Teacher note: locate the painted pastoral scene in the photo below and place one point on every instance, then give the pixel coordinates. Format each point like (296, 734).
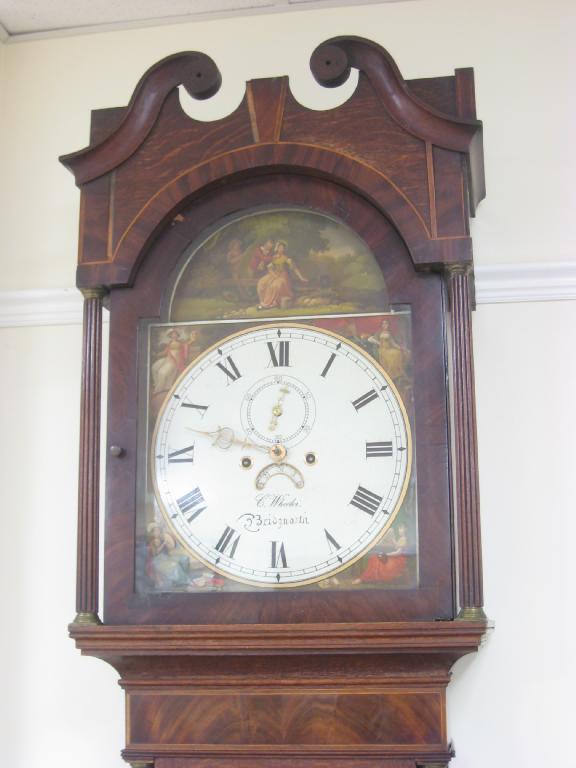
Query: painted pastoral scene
(280, 262)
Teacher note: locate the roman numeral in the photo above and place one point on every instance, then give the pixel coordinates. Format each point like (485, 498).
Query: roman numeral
(187, 454)
(366, 500)
(332, 543)
(328, 364)
(202, 408)
(366, 398)
(279, 353)
(225, 542)
(191, 502)
(278, 555)
(232, 373)
(378, 449)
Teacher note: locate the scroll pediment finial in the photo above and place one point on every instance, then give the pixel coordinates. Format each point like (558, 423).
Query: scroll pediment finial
(331, 63)
(196, 71)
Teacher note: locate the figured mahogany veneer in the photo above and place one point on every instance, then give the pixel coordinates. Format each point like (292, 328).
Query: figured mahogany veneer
(297, 694)
(301, 679)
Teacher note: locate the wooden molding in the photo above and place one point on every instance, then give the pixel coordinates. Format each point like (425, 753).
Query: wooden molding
(273, 756)
(389, 637)
(266, 761)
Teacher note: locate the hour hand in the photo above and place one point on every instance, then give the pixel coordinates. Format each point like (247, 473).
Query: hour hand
(224, 438)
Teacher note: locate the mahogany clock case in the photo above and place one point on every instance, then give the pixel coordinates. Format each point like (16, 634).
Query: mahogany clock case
(292, 677)
(433, 599)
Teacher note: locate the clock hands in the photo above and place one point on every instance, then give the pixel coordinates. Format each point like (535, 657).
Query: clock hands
(224, 438)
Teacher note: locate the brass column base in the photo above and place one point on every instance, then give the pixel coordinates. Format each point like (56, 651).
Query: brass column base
(87, 618)
(471, 614)
(432, 765)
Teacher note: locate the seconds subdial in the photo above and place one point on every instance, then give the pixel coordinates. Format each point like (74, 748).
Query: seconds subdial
(278, 409)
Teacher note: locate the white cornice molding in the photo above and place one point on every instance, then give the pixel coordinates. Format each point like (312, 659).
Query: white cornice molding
(56, 306)
(509, 283)
(272, 6)
(498, 284)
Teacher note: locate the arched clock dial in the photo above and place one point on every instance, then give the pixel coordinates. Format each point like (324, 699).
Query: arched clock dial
(281, 455)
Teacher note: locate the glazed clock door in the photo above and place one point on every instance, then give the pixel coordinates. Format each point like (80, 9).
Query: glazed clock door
(277, 368)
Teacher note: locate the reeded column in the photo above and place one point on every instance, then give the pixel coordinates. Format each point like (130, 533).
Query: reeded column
(89, 472)
(465, 449)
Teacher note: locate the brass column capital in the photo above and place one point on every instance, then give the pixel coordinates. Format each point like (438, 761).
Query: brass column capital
(452, 270)
(97, 292)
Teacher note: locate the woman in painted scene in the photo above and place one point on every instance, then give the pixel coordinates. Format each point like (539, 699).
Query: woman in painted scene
(275, 288)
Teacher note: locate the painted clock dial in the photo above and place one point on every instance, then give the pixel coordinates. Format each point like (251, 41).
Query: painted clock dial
(289, 418)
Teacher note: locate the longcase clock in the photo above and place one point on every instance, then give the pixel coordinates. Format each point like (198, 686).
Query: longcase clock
(292, 545)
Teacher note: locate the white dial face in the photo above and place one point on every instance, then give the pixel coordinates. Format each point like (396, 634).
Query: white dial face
(281, 455)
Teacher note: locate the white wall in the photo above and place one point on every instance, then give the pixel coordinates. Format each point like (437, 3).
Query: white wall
(2, 80)
(509, 706)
